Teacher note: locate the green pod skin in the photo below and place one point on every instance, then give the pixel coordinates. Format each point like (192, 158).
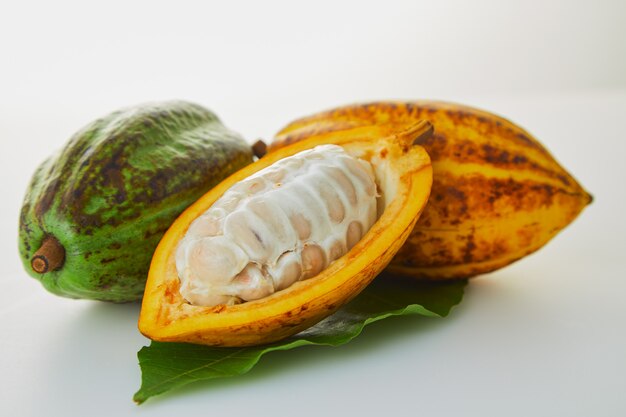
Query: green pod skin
(94, 213)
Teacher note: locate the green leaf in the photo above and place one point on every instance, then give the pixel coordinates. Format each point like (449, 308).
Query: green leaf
(165, 366)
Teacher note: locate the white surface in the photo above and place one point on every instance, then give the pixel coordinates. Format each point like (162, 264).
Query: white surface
(544, 337)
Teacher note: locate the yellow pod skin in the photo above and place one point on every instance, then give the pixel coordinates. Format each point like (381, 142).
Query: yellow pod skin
(497, 196)
(403, 176)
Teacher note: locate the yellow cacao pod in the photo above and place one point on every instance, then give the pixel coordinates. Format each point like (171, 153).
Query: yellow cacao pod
(497, 195)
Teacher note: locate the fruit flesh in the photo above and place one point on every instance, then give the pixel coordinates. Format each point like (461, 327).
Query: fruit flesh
(286, 223)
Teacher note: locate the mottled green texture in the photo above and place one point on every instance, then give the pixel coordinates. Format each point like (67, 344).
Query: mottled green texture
(166, 366)
(116, 187)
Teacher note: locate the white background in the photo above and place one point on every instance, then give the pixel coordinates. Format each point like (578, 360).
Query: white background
(544, 337)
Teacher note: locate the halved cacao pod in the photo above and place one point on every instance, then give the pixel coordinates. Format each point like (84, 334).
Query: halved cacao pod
(403, 177)
(497, 196)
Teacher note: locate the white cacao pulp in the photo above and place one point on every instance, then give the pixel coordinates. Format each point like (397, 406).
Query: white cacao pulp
(285, 223)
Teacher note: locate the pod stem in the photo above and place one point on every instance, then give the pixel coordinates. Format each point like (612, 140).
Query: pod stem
(417, 133)
(259, 149)
(49, 257)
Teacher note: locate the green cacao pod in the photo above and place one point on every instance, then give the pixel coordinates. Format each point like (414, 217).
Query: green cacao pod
(94, 213)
